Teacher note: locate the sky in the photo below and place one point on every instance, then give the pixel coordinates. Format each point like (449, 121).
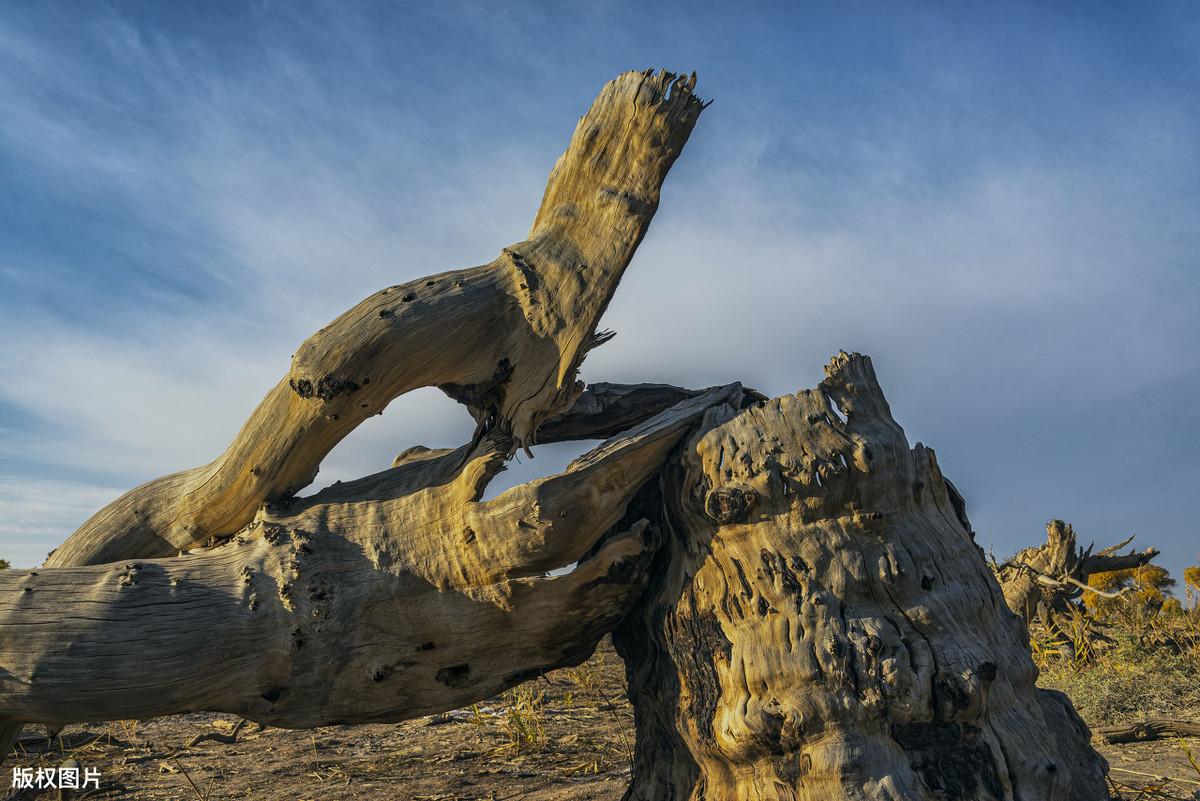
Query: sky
(996, 202)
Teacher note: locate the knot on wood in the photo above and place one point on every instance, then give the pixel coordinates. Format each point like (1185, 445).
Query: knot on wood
(130, 576)
(326, 388)
(730, 504)
(455, 675)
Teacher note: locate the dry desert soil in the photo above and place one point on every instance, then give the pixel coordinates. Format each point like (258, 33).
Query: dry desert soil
(565, 737)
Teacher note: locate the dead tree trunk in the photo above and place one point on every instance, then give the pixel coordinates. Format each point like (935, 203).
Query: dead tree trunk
(1041, 582)
(826, 627)
(805, 612)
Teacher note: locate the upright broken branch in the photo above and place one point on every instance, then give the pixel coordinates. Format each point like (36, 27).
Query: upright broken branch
(506, 338)
(1040, 582)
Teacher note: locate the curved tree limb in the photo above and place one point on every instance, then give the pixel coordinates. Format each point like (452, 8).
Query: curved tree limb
(506, 337)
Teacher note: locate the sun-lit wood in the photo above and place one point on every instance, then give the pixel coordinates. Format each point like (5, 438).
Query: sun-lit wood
(796, 591)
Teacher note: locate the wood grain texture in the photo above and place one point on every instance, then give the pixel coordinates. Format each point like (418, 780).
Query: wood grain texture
(506, 337)
(390, 597)
(827, 628)
(796, 591)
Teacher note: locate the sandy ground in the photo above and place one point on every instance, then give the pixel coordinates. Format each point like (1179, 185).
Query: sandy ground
(567, 737)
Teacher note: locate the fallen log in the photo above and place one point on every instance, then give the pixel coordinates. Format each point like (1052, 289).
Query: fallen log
(506, 339)
(1151, 729)
(390, 597)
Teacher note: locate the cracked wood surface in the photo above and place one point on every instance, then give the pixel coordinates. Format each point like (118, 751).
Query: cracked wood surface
(382, 599)
(505, 338)
(802, 608)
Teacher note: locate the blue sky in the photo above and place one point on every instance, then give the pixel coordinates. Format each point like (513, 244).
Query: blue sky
(998, 203)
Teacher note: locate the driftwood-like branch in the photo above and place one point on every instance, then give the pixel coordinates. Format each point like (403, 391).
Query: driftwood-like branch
(506, 338)
(1074, 582)
(1152, 729)
(381, 599)
(1110, 549)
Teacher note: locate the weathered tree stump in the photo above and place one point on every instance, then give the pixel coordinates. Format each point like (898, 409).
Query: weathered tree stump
(1041, 582)
(825, 627)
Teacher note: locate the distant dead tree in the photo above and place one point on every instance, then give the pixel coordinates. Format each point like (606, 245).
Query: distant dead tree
(796, 591)
(1043, 581)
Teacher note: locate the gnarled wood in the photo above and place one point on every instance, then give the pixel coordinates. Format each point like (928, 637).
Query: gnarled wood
(827, 628)
(1040, 582)
(381, 599)
(801, 605)
(506, 337)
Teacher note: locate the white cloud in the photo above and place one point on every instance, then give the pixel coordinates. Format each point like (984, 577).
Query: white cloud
(38, 514)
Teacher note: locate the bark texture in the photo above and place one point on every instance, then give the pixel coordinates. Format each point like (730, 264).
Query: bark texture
(826, 627)
(801, 605)
(506, 339)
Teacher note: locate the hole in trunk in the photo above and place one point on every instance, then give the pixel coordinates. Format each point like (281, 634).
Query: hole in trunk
(549, 459)
(422, 417)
